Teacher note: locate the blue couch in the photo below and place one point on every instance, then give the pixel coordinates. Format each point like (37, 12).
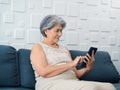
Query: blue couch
(16, 72)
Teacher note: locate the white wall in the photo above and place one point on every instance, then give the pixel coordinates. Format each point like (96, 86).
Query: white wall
(89, 23)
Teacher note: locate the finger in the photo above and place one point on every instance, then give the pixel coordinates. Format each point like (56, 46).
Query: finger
(88, 56)
(93, 60)
(83, 57)
(80, 59)
(86, 59)
(92, 53)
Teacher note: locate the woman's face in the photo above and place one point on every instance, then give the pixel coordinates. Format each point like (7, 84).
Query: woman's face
(54, 33)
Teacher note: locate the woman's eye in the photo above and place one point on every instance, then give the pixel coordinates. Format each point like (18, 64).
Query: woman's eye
(59, 31)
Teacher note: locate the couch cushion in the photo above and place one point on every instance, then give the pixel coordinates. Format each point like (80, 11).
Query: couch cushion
(27, 76)
(117, 85)
(8, 66)
(103, 70)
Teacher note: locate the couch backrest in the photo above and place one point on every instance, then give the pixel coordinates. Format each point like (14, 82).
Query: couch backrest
(9, 72)
(103, 70)
(27, 77)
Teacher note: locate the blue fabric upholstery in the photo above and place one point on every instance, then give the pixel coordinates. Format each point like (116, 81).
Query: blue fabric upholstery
(9, 75)
(26, 72)
(16, 72)
(117, 85)
(103, 70)
(14, 88)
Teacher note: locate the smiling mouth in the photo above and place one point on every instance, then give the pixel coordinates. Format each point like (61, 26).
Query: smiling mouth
(57, 38)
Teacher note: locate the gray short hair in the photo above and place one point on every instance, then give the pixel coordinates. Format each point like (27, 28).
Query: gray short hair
(49, 22)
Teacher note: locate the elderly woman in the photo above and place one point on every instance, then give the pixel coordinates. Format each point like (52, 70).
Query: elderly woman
(53, 65)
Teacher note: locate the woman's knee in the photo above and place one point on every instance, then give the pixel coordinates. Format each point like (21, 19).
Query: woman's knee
(103, 86)
(106, 86)
(109, 86)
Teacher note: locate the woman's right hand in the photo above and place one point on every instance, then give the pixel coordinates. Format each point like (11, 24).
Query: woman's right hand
(77, 60)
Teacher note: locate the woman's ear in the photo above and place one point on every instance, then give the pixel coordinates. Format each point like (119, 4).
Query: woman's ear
(45, 31)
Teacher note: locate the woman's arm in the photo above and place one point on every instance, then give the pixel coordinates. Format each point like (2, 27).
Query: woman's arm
(89, 65)
(38, 60)
(81, 72)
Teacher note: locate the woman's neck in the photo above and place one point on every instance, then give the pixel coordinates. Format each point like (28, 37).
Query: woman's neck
(50, 43)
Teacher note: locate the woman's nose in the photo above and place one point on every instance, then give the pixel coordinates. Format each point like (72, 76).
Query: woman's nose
(60, 33)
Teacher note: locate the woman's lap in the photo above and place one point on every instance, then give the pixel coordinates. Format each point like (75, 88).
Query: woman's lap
(76, 85)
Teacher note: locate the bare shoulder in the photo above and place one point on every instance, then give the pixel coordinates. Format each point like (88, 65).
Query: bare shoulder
(37, 47)
(37, 50)
(66, 48)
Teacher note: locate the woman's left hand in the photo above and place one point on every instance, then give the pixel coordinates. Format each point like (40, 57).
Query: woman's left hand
(90, 61)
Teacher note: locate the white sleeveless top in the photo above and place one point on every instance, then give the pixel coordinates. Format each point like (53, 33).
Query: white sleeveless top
(56, 56)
